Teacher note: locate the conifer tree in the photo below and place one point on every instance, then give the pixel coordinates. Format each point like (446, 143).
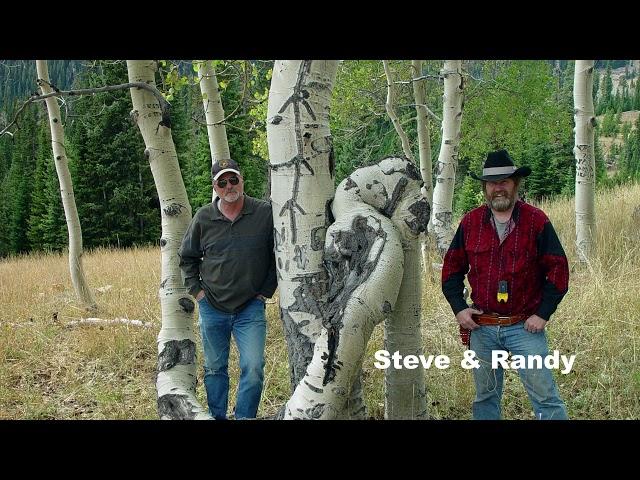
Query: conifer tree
(20, 182)
(113, 183)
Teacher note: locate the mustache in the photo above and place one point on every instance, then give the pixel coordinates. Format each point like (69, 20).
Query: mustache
(500, 194)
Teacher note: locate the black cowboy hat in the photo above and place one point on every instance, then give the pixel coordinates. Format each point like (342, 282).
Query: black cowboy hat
(499, 166)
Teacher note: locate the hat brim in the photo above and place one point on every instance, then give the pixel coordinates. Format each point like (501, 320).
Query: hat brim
(520, 172)
(225, 170)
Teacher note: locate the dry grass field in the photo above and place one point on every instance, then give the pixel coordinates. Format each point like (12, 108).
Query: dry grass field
(52, 370)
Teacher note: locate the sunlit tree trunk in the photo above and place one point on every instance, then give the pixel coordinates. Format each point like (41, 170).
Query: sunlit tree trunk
(447, 164)
(585, 158)
(390, 108)
(405, 390)
(78, 279)
(424, 144)
(214, 113)
(302, 186)
(176, 380)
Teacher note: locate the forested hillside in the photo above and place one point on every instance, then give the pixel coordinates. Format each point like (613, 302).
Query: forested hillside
(525, 106)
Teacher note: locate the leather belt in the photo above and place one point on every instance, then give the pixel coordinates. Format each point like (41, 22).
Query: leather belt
(495, 319)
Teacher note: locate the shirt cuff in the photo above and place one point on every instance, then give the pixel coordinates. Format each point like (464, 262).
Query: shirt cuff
(458, 305)
(195, 289)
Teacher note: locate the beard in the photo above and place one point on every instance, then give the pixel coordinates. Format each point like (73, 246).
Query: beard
(501, 203)
(231, 196)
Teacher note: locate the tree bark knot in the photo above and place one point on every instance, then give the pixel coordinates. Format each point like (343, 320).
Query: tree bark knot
(176, 352)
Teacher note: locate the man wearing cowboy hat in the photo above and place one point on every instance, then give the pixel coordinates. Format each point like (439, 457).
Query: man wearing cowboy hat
(228, 265)
(518, 273)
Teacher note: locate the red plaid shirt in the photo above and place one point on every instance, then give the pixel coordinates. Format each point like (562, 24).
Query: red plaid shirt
(530, 259)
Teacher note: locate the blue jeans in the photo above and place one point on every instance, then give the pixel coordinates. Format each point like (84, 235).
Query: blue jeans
(249, 328)
(539, 383)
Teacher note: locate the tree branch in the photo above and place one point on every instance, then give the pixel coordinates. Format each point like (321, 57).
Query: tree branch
(164, 105)
(392, 114)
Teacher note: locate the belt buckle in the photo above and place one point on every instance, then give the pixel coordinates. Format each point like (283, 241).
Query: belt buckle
(501, 318)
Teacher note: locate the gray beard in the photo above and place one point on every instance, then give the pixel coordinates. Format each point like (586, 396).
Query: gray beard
(501, 204)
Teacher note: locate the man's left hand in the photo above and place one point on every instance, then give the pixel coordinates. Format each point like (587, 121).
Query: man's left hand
(534, 324)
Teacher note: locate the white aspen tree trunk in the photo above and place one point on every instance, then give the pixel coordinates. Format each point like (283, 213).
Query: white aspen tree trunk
(302, 185)
(389, 107)
(176, 380)
(448, 157)
(214, 114)
(78, 279)
(379, 212)
(405, 390)
(585, 158)
(424, 145)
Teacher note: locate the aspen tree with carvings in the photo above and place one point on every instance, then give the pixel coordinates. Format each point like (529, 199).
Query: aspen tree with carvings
(585, 159)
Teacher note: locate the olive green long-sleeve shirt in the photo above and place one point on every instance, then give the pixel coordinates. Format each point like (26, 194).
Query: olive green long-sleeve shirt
(231, 261)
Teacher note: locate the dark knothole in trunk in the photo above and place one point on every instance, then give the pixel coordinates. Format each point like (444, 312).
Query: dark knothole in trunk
(176, 407)
(422, 212)
(186, 304)
(173, 209)
(176, 352)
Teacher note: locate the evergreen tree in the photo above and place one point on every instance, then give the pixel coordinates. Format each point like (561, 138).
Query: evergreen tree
(113, 184)
(609, 126)
(600, 163)
(19, 182)
(606, 100)
(596, 85)
(469, 197)
(47, 226)
(630, 158)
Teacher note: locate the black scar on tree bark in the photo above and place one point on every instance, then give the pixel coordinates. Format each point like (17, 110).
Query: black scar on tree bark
(186, 304)
(422, 212)
(410, 170)
(176, 352)
(350, 184)
(176, 407)
(355, 245)
(392, 203)
(173, 209)
(299, 347)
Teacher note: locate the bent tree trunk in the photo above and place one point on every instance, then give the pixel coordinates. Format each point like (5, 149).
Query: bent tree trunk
(331, 300)
(448, 157)
(78, 279)
(379, 212)
(176, 381)
(585, 159)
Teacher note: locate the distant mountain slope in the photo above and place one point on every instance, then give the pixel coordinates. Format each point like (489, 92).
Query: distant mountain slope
(18, 78)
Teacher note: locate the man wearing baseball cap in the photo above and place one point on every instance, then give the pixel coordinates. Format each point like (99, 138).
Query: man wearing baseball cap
(228, 265)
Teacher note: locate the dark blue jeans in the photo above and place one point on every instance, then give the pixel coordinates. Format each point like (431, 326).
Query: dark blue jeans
(249, 328)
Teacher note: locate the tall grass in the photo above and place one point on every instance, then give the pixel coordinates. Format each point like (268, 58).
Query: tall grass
(51, 371)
